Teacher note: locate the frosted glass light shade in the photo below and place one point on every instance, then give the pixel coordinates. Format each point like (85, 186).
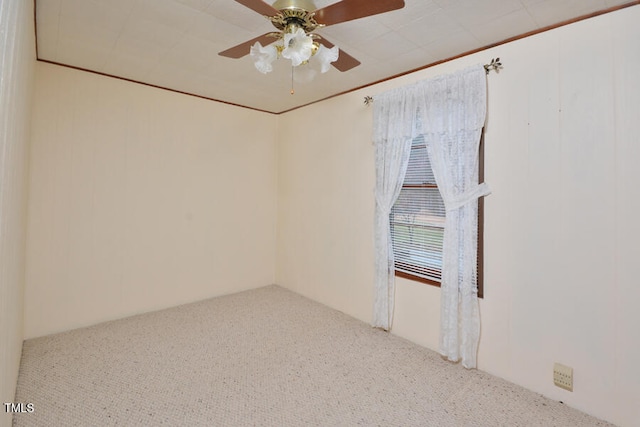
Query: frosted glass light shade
(304, 74)
(326, 57)
(298, 47)
(263, 57)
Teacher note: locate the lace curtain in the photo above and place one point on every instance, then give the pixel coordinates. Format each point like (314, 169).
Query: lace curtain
(454, 114)
(392, 139)
(449, 111)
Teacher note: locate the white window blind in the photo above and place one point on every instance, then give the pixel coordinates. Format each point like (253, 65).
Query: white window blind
(417, 219)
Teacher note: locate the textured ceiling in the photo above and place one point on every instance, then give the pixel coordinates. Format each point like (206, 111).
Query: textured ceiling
(174, 44)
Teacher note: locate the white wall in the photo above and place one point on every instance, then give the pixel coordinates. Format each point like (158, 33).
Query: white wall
(142, 199)
(561, 226)
(17, 60)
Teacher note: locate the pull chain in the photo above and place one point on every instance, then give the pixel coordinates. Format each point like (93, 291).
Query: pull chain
(292, 91)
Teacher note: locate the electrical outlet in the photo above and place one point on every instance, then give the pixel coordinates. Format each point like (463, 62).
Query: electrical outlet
(563, 376)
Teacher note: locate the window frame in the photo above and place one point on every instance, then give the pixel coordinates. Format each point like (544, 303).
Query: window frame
(480, 252)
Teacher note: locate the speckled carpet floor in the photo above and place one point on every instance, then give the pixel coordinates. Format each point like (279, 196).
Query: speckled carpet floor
(266, 357)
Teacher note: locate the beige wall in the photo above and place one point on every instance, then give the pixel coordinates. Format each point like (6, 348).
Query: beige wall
(561, 225)
(17, 61)
(325, 199)
(142, 199)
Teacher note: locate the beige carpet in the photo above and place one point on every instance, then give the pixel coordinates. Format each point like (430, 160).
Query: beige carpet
(266, 357)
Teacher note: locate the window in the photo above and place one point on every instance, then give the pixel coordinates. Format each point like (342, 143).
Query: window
(417, 221)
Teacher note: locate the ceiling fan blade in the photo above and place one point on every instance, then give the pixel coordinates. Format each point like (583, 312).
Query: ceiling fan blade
(244, 48)
(348, 10)
(259, 6)
(345, 61)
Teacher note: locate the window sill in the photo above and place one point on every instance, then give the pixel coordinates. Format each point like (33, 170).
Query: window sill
(415, 278)
(424, 280)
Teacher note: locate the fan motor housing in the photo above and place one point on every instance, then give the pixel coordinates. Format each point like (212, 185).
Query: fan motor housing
(306, 5)
(295, 14)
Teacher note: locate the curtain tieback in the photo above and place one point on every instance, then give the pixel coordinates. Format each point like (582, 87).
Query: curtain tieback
(468, 196)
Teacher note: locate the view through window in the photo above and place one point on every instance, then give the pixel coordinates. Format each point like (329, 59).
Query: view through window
(417, 221)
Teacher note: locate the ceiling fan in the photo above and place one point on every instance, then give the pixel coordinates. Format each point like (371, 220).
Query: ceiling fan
(296, 21)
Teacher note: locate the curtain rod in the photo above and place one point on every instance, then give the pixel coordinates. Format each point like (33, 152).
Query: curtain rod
(494, 65)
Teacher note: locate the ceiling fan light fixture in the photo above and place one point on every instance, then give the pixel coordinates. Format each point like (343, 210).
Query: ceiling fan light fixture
(296, 22)
(326, 56)
(263, 57)
(298, 47)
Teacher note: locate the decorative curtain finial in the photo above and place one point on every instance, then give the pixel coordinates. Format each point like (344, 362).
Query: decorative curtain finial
(494, 65)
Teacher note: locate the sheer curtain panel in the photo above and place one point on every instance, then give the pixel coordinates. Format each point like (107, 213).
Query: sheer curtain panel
(393, 119)
(449, 113)
(453, 115)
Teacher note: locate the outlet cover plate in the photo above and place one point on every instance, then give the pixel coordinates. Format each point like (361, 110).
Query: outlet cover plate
(563, 376)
